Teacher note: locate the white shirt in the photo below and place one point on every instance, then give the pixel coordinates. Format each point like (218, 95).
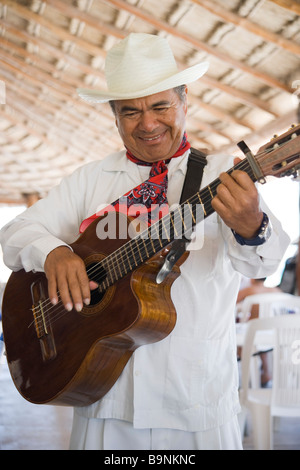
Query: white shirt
(189, 380)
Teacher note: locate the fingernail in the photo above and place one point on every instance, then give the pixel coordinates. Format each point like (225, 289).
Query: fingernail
(54, 301)
(78, 307)
(69, 307)
(87, 301)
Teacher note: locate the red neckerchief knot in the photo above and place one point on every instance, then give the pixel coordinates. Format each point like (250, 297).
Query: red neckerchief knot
(149, 197)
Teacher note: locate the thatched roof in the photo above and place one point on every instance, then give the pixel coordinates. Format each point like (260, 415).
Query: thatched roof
(49, 48)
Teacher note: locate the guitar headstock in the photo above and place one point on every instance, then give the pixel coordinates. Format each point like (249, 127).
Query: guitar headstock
(281, 156)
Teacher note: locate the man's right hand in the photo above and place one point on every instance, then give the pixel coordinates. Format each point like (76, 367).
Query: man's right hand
(66, 275)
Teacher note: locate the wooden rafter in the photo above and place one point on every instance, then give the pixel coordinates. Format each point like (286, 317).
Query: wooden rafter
(241, 96)
(199, 45)
(231, 17)
(290, 5)
(50, 48)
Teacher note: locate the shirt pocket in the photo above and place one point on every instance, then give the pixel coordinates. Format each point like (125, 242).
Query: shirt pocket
(185, 356)
(195, 373)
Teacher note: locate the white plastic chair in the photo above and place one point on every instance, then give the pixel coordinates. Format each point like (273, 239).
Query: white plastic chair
(265, 301)
(283, 399)
(270, 304)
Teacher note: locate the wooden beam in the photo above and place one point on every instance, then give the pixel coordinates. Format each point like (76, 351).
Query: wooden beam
(62, 34)
(199, 45)
(89, 70)
(37, 77)
(231, 17)
(290, 5)
(74, 12)
(242, 96)
(265, 133)
(51, 50)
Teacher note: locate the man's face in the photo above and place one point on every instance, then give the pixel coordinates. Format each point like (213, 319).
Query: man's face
(152, 127)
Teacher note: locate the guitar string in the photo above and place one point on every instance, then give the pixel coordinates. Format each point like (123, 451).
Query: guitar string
(177, 218)
(213, 185)
(109, 259)
(118, 253)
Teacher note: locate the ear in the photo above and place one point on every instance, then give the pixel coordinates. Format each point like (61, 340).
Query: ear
(185, 103)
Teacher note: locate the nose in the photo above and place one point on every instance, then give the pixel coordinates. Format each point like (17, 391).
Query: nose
(148, 121)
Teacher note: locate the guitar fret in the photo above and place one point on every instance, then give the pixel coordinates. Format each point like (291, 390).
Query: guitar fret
(108, 271)
(137, 244)
(124, 264)
(181, 221)
(203, 207)
(173, 224)
(166, 232)
(154, 226)
(113, 266)
(191, 211)
(133, 255)
(151, 241)
(145, 246)
(128, 259)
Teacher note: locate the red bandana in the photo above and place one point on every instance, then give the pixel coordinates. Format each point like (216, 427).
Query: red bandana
(152, 191)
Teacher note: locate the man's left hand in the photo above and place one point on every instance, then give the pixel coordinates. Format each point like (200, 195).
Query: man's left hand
(237, 203)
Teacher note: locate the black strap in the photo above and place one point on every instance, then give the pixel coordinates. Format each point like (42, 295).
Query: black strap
(195, 166)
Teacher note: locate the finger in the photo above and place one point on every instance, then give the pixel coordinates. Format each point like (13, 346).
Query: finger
(78, 288)
(52, 289)
(93, 285)
(84, 284)
(237, 160)
(63, 287)
(242, 179)
(230, 182)
(224, 195)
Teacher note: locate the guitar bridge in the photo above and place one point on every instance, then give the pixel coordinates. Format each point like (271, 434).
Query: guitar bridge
(42, 322)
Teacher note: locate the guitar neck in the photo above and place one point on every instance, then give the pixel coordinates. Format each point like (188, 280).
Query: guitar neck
(177, 224)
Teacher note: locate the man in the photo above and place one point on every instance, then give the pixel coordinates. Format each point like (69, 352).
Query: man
(181, 392)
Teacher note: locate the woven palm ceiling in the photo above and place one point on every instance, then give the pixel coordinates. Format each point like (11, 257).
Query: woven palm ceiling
(50, 48)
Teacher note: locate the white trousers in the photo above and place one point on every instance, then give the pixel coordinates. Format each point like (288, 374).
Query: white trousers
(113, 434)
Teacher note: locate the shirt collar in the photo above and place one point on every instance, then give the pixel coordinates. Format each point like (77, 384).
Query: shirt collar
(119, 162)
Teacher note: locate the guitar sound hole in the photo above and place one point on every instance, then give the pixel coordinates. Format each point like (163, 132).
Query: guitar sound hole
(97, 274)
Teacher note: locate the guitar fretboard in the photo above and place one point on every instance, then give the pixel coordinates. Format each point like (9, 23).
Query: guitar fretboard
(177, 224)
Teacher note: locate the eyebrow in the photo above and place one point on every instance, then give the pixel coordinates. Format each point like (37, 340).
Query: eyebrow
(127, 108)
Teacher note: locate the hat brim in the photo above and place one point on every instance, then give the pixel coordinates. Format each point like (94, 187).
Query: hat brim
(181, 78)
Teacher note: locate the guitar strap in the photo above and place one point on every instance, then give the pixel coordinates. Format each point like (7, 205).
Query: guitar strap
(194, 173)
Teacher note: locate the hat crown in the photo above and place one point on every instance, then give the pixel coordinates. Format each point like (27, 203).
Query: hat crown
(138, 62)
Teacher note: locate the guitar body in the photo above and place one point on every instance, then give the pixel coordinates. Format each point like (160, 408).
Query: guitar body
(75, 358)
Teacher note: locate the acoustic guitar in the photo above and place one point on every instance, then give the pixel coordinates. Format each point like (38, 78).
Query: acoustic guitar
(70, 358)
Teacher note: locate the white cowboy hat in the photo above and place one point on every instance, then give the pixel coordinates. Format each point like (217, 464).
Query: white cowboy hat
(141, 65)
